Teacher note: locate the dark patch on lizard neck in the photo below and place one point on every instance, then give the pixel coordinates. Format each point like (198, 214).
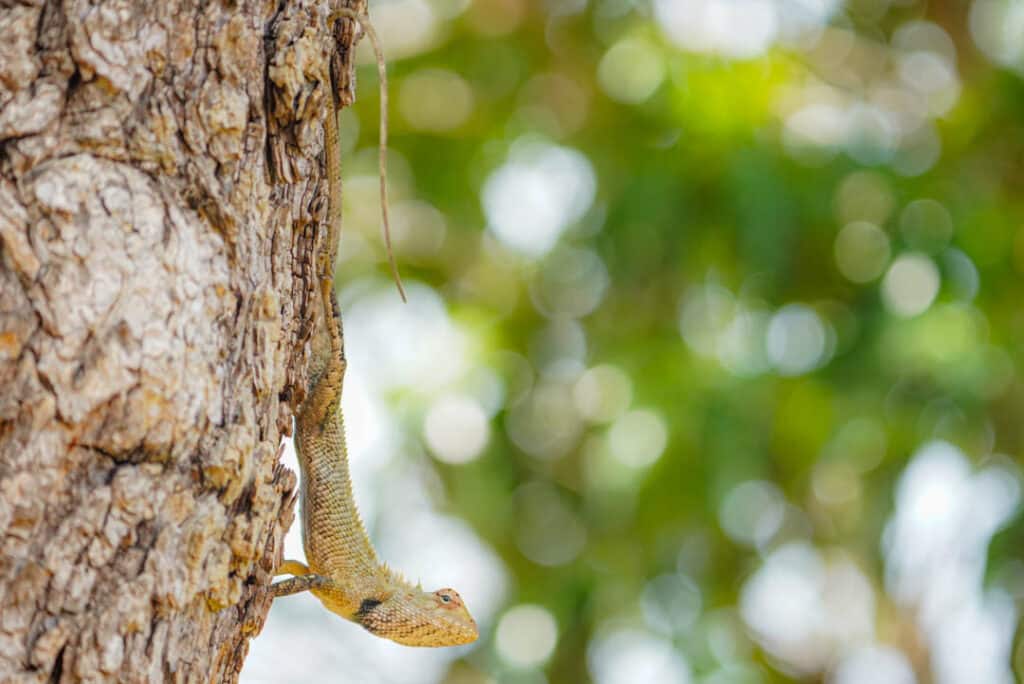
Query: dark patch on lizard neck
(365, 608)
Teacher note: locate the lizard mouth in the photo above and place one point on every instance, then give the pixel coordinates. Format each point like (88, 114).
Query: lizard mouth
(465, 636)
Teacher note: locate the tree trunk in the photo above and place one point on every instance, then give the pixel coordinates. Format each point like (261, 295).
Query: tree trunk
(161, 189)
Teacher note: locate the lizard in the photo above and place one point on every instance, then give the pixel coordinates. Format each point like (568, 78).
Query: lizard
(343, 569)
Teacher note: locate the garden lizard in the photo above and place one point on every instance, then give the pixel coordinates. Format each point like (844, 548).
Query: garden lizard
(343, 570)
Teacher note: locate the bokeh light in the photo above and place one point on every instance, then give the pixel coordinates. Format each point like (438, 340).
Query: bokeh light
(602, 393)
(532, 198)
(874, 665)
(752, 512)
(910, 285)
(622, 656)
(526, 636)
(671, 604)
(545, 423)
(549, 532)
(926, 225)
(864, 196)
(862, 251)
(742, 29)
(995, 26)
(806, 609)
(456, 429)
(798, 340)
(935, 548)
(704, 315)
(435, 100)
(638, 438)
(571, 282)
(407, 27)
(631, 71)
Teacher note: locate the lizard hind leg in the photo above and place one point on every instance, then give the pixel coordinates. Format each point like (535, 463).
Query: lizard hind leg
(298, 584)
(303, 579)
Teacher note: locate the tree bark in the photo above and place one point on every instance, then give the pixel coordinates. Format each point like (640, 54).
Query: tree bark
(161, 190)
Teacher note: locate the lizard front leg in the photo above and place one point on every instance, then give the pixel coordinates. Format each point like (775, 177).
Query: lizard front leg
(292, 567)
(303, 579)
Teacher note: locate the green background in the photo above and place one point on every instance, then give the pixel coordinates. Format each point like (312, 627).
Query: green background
(797, 273)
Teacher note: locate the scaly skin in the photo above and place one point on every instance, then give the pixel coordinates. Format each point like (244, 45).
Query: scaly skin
(343, 571)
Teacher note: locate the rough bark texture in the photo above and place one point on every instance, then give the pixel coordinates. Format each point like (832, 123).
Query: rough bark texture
(161, 188)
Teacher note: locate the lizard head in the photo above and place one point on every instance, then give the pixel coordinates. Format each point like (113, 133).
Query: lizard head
(414, 617)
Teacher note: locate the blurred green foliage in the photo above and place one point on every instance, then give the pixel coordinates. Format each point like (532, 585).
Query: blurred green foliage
(709, 201)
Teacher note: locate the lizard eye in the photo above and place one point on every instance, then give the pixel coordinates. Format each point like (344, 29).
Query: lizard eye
(446, 598)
